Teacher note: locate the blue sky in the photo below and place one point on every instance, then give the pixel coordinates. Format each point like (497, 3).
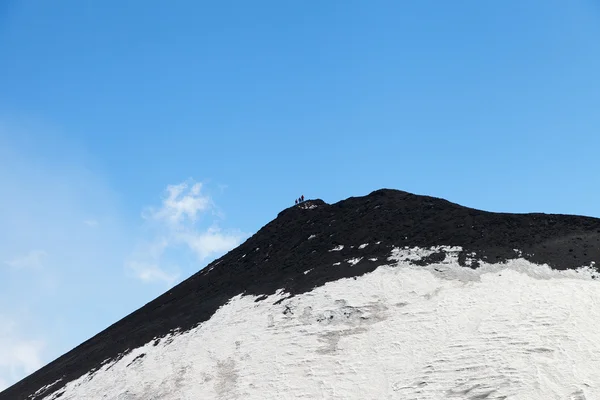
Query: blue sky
(141, 139)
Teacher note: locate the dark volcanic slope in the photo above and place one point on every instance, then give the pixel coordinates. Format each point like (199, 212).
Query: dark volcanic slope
(277, 255)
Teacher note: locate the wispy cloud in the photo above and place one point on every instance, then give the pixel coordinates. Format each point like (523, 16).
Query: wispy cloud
(20, 355)
(52, 264)
(212, 241)
(145, 259)
(92, 223)
(32, 260)
(148, 272)
(177, 230)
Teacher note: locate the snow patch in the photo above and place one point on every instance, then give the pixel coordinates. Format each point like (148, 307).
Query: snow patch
(419, 253)
(354, 261)
(470, 259)
(362, 246)
(337, 248)
(44, 389)
(311, 237)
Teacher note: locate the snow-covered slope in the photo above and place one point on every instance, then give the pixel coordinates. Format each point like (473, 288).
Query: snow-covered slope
(389, 296)
(510, 331)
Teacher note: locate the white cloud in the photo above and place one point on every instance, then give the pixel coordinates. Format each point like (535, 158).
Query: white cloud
(20, 356)
(181, 201)
(177, 232)
(32, 260)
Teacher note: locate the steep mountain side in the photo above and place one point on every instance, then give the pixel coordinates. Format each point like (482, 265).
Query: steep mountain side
(343, 240)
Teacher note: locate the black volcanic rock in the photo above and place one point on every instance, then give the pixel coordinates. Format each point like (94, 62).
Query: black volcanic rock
(301, 238)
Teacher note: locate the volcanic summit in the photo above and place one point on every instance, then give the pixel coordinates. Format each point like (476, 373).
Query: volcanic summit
(391, 295)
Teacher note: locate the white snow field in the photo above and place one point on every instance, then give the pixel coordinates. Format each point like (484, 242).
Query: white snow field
(506, 331)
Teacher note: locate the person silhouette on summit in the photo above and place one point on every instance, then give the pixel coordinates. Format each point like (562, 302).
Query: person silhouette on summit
(296, 201)
(302, 198)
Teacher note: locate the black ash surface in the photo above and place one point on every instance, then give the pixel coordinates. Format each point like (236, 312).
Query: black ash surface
(279, 254)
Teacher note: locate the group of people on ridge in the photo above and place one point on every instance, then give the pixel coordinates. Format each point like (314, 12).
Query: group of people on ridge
(299, 199)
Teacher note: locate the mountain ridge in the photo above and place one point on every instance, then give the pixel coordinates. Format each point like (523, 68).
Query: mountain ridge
(315, 236)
